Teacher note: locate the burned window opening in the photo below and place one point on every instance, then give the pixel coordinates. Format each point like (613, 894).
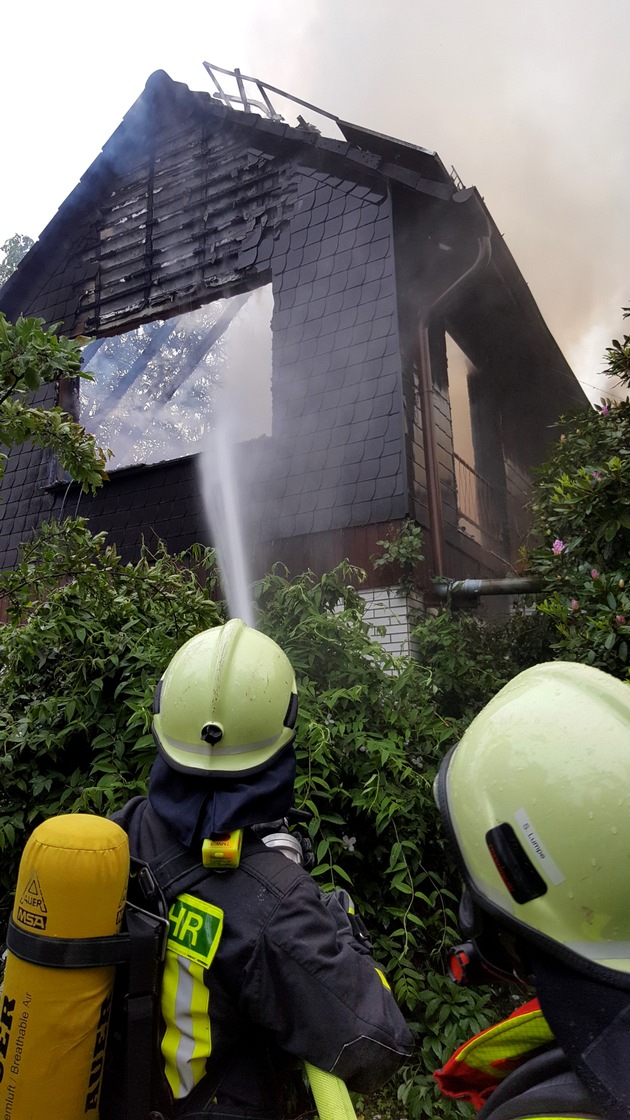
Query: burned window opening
(158, 389)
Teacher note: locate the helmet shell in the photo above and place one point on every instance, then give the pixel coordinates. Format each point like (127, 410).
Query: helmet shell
(549, 757)
(226, 704)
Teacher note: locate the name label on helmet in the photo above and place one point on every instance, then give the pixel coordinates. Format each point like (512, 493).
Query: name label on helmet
(195, 929)
(551, 870)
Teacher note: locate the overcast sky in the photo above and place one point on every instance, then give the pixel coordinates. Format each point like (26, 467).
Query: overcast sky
(529, 101)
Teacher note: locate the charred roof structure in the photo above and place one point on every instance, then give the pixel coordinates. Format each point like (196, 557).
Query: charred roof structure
(410, 371)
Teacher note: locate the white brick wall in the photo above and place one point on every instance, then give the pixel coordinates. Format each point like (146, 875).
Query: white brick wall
(386, 607)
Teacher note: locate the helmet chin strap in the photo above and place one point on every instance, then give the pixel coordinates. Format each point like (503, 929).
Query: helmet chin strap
(590, 1018)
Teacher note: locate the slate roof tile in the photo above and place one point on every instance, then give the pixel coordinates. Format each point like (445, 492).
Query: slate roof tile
(361, 512)
(286, 526)
(326, 500)
(335, 299)
(361, 254)
(351, 219)
(304, 523)
(299, 221)
(386, 405)
(294, 334)
(314, 328)
(382, 509)
(343, 262)
(295, 483)
(325, 344)
(384, 487)
(394, 426)
(333, 227)
(350, 473)
(308, 499)
(286, 297)
(291, 355)
(322, 439)
(331, 476)
(347, 240)
(356, 275)
(339, 436)
(372, 448)
(382, 326)
(311, 253)
(370, 469)
(352, 297)
(299, 314)
(336, 207)
(376, 348)
(299, 239)
(349, 394)
(380, 249)
(319, 214)
(308, 272)
(348, 316)
(365, 491)
(290, 504)
(337, 282)
(363, 411)
(390, 465)
(321, 364)
(291, 277)
(280, 320)
(304, 293)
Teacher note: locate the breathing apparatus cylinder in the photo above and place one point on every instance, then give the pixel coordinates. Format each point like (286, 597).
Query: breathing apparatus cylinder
(72, 884)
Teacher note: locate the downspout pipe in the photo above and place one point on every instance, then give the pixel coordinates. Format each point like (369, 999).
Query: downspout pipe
(471, 588)
(425, 379)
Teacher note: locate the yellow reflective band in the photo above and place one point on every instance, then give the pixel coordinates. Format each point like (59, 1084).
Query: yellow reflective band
(506, 1040)
(171, 1036)
(195, 929)
(383, 978)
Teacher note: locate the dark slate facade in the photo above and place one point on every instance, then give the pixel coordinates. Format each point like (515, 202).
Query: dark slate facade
(189, 201)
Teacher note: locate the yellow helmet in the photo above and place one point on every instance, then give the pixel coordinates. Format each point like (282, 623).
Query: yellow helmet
(537, 799)
(226, 704)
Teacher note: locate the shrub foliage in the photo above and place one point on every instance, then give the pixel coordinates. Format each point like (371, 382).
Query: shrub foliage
(582, 524)
(87, 639)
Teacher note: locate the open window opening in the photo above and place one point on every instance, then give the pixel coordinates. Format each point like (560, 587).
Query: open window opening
(477, 449)
(157, 390)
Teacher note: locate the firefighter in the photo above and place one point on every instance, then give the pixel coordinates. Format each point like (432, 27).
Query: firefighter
(259, 963)
(536, 800)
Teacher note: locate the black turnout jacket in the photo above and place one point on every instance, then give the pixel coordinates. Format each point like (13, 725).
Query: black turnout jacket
(278, 972)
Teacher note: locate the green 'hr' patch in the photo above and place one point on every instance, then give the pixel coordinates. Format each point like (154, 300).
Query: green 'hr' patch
(195, 929)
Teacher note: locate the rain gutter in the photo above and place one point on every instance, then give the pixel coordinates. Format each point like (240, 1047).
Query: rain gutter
(425, 379)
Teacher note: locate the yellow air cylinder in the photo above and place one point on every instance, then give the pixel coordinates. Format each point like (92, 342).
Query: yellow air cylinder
(53, 1021)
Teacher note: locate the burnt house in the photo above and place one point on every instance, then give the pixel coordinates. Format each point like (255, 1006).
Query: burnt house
(386, 356)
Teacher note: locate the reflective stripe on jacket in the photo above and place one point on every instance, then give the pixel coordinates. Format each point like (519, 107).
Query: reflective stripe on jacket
(514, 1071)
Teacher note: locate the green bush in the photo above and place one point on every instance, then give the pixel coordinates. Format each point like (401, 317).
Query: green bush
(89, 636)
(87, 639)
(582, 526)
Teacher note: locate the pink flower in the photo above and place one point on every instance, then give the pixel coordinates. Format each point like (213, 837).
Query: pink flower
(604, 410)
(594, 573)
(558, 547)
(596, 475)
(575, 606)
(620, 620)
